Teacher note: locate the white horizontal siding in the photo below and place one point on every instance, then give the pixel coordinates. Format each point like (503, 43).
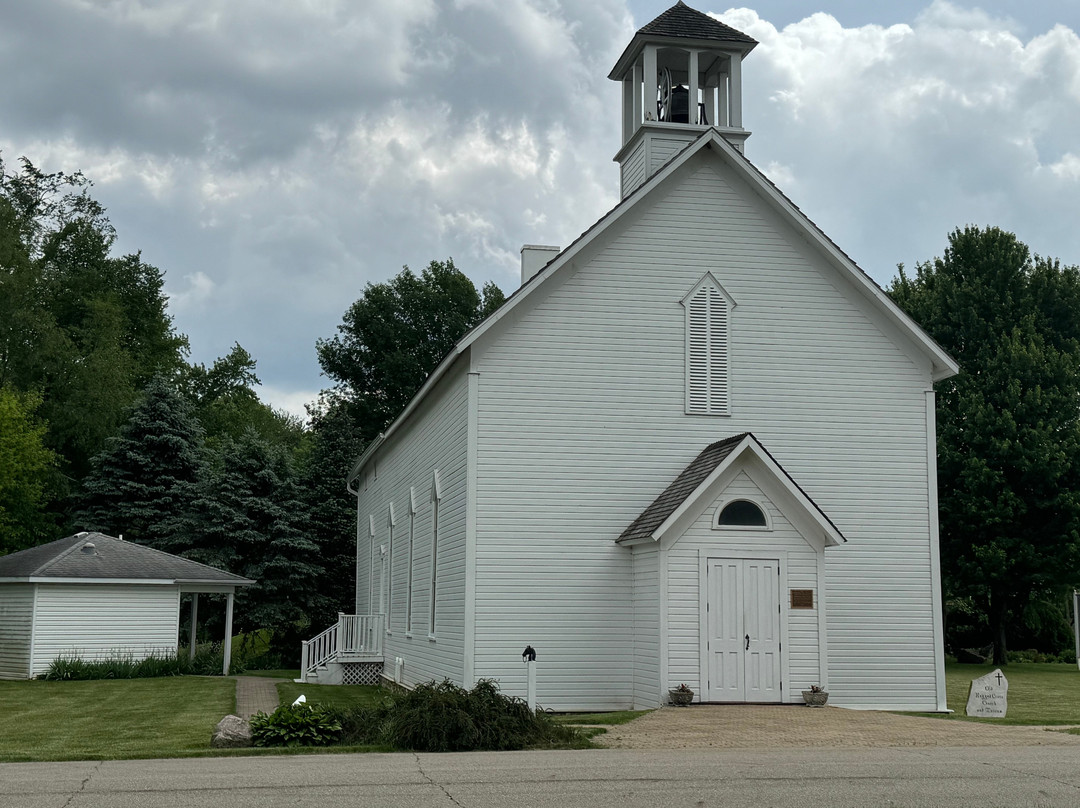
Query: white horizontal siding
(96, 622)
(781, 541)
(632, 170)
(663, 147)
(581, 425)
(16, 622)
(646, 596)
(435, 438)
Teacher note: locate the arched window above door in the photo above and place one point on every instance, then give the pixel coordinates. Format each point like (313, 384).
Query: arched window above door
(741, 513)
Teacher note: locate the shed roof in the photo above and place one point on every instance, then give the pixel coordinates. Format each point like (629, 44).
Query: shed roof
(95, 556)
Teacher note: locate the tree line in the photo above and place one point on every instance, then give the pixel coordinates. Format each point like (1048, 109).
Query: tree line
(106, 425)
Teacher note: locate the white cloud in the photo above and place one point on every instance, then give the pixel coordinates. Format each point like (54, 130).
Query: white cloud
(274, 156)
(292, 401)
(198, 288)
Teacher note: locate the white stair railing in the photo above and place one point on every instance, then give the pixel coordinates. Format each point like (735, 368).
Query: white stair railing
(318, 651)
(354, 635)
(360, 634)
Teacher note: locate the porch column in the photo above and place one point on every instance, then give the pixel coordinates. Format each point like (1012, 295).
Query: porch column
(194, 621)
(227, 648)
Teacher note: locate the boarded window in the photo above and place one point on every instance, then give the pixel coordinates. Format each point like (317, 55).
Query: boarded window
(707, 351)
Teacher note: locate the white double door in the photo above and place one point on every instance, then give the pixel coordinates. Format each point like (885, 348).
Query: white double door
(743, 640)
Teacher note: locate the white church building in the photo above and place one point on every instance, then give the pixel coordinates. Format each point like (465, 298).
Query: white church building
(697, 446)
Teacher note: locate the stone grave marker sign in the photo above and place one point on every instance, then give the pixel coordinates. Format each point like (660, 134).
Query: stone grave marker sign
(989, 695)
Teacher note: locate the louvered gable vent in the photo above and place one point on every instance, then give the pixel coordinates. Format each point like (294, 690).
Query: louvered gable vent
(708, 309)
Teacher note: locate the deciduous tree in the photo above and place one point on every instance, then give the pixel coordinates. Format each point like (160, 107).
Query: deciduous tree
(395, 335)
(1008, 424)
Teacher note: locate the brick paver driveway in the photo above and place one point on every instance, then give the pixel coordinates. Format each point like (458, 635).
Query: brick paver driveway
(739, 726)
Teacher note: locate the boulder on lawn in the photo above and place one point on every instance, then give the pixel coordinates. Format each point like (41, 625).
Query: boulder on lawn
(231, 732)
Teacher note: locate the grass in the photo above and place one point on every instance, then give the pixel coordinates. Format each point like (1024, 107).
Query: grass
(331, 695)
(1038, 693)
(610, 719)
(111, 720)
(284, 673)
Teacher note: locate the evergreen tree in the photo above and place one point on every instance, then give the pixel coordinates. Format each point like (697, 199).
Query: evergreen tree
(249, 520)
(1008, 424)
(142, 483)
(330, 509)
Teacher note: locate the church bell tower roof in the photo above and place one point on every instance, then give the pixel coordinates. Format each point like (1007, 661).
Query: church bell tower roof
(680, 22)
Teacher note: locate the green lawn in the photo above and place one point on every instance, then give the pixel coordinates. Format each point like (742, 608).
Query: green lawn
(107, 719)
(1038, 693)
(330, 695)
(276, 674)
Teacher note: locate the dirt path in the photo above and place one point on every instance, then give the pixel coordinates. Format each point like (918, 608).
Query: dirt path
(791, 726)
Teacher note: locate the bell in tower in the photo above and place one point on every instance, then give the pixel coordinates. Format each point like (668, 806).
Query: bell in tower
(681, 74)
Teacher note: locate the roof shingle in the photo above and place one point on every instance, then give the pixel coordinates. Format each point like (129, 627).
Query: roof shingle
(684, 485)
(682, 21)
(109, 558)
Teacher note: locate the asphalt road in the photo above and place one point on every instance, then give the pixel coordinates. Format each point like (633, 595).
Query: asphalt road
(939, 777)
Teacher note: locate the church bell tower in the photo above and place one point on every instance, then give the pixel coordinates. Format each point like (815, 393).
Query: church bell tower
(681, 74)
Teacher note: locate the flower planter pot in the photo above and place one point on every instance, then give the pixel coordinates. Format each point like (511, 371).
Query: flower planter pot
(813, 699)
(681, 698)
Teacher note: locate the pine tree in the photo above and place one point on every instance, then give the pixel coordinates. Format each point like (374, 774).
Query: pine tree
(248, 519)
(142, 483)
(331, 510)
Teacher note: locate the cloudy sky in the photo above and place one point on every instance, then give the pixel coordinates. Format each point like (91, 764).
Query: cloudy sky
(274, 156)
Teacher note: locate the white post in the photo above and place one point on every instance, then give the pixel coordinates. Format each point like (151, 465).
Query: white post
(638, 79)
(530, 692)
(303, 660)
(692, 116)
(228, 636)
(723, 111)
(736, 91)
(1076, 624)
(628, 122)
(194, 620)
(650, 82)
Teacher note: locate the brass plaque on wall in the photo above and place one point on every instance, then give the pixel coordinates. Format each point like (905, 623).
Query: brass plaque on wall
(802, 598)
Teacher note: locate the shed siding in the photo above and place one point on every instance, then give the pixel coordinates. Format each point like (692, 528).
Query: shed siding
(96, 621)
(436, 438)
(16, 623)
(646, 595)
(581, 425)
(783, 542)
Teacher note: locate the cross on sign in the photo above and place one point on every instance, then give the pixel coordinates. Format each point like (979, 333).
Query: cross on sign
(999, 677)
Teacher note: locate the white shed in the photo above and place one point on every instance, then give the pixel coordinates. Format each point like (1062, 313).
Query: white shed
(96, 596)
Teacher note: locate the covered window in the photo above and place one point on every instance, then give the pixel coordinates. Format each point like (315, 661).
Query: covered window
(707, 355)
(436, 496)
(741, 513)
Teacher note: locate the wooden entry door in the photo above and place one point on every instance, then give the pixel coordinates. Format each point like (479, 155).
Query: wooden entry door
(742, 630)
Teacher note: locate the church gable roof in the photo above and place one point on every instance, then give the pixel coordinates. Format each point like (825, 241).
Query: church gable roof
(695, 480)
(95, 556)
(712, 142)
(683, 486)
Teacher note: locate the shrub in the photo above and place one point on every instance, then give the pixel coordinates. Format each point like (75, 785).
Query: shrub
(207, 661)
(447, 718)
(296, 725)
